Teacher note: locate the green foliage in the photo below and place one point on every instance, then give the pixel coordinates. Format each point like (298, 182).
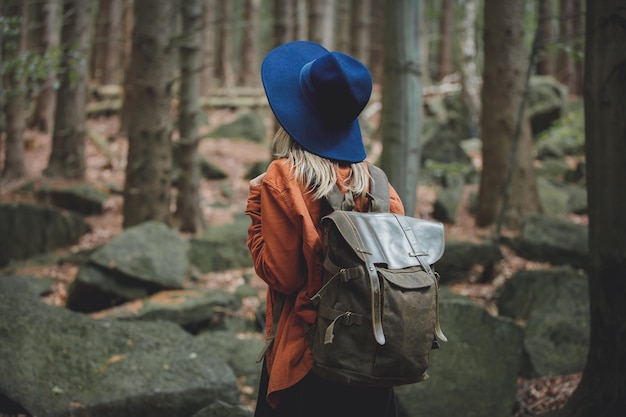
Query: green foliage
(31, 66)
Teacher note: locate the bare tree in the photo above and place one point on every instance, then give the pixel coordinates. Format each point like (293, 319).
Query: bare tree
(601, 391)
(108, 45)
(565, 64)
(249, 74)
(283, 21)
(49, 39)
(502, 123)
(225, 72)
(321, 22)
(15, 97)
(470, 76)
(446, 25)
(67, 158)
(188, 210)
(149, 93)
(402, 99)
(209, 12)
(545, 61)
(301, 30)
(361, 27)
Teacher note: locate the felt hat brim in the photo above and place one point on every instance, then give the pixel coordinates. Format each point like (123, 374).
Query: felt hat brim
(280, 74)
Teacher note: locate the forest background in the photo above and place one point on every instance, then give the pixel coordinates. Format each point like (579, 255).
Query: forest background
(166, 63)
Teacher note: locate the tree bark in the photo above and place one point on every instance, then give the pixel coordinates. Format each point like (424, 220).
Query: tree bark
(445, 31)
(402, 99)
(601, 391)
(565, 65)
(361, 28)
(301, 30)
(45, 103)
(321, 22)
(225, 72)
(149, 98)
(208, 46)
(188, 210)
(67, 158)
(545, 63)
(504, 82)
(470, 77)
(15, 100)
(343, 40)
(249, 75)
(282, 27)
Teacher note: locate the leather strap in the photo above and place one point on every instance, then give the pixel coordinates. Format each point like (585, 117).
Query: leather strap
(421, 257)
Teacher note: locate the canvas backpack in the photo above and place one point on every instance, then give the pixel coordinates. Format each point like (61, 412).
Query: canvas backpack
(378, 316)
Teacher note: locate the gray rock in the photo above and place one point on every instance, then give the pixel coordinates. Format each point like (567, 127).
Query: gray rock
(150, 252)
(549, 239)
(554, 305)
(475, 373)
(96, 288)
(82, 198)
(29, 229)
(460, 257)
(192, 309)
(222, 247)
(240, 351)
(222, 409)
(546, 102)
(248, 125)
(58, 363)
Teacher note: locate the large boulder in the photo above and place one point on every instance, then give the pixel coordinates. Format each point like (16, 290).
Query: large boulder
(477, 368)
(222, 247)
(554, 305)
(29, 229)
(58, 363)
(559, 241)
(140, 261)
(192, 309)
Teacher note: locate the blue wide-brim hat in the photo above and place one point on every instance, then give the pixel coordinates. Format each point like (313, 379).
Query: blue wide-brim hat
(317, 96)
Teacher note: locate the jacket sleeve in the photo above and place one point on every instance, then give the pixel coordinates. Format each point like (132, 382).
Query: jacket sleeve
(395, 204)
(274, 238)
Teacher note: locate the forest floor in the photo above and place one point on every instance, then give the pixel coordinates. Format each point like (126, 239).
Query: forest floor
(105, 162)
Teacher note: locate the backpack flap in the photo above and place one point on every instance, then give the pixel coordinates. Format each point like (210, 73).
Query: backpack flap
(374, 237)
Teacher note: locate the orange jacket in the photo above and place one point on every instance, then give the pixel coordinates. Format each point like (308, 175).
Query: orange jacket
(286, 246)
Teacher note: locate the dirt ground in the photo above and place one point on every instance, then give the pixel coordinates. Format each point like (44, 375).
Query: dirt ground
(105, 160)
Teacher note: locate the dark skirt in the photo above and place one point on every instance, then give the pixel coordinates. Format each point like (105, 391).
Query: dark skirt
(317, 397)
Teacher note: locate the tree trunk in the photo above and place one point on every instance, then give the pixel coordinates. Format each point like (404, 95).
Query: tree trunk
(15, 101)
(282, 27)
(361, 28)
(545, 63)
(402, 99)
(188, 210)
(579, 30)
(67, 158)
(321, 22)
(376, 62)
(149, 98)
(301, 30)
(504, 82)
(225, 73)
(45, 103)
(565, 70)
(470, 77)
(209, 8)
(249, 75)
(343, 41)
(445, 31)
(602, 392)
(113, 44)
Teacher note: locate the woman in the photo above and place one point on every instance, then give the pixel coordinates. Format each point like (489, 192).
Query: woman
(316, 97)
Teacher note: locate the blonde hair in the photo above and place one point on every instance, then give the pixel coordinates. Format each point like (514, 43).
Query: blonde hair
(316, 173)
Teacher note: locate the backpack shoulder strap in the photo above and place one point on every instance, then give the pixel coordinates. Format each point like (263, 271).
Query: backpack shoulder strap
(378, 193)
